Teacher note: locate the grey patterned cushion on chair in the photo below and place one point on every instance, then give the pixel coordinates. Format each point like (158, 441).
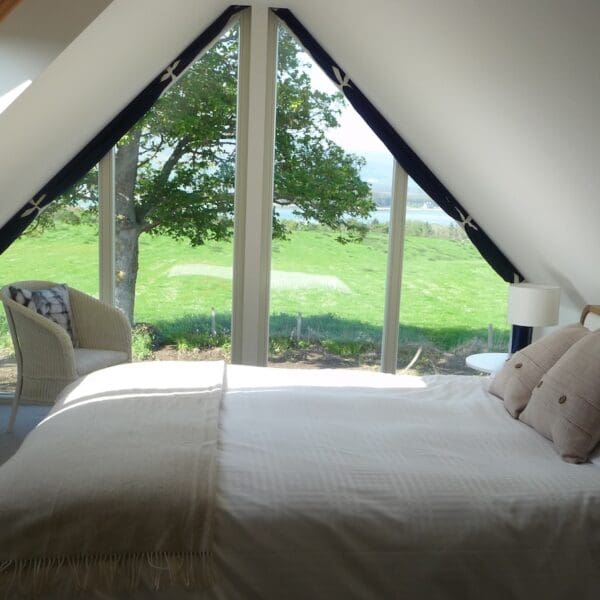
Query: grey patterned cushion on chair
(52, 303)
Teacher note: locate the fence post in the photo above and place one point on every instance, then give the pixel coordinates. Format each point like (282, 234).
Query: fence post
(299, 326)
(213, 322)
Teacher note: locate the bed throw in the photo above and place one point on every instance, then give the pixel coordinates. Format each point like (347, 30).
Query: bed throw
(121, 509)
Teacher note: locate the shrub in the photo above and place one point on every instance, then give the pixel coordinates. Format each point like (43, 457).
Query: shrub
(141, 344)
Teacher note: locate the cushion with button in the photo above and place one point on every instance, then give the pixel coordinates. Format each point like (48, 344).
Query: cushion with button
(524, 370)
(566, 407)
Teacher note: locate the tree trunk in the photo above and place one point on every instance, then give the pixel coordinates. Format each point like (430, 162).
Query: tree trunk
(127, 228)
(126, 260)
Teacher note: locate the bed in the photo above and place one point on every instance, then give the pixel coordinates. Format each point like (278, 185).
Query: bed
(389, 487)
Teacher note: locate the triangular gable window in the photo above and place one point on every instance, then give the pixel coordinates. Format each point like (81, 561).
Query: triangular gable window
(168, 76)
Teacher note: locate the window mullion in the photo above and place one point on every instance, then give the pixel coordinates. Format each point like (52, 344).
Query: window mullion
(254, 186)
(391, 319)
(106, 227)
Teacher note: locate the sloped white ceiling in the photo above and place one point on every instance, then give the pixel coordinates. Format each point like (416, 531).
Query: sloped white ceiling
(500, 99)
(36, 31)
(87, 85)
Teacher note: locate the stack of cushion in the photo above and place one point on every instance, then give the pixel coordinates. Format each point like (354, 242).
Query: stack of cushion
(553, 385)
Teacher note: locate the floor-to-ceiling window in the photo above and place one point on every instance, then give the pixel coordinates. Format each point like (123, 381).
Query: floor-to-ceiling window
(330, 223)
(174, 199)
(453, 303)
(174, 190)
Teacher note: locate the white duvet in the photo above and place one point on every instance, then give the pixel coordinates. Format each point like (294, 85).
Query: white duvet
(395, 487)
(361, 485)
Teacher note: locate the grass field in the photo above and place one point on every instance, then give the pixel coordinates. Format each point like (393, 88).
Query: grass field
(449, 293)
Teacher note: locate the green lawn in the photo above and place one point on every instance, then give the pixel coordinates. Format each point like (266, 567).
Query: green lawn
(449, 293)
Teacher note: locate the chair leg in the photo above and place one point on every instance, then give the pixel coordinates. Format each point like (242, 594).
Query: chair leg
(13, 414)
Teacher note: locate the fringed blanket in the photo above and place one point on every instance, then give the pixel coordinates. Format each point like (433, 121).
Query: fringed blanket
(134, 497)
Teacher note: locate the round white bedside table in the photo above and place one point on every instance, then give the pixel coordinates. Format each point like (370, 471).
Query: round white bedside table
(487, 362)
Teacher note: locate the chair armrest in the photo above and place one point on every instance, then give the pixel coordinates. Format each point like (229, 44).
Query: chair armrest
(46, 345)
(98, 325)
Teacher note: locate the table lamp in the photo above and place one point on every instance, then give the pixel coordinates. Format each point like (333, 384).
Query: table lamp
(531, 305)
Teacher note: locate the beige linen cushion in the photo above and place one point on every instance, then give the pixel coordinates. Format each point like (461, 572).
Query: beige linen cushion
(565, 406)
(522, 372)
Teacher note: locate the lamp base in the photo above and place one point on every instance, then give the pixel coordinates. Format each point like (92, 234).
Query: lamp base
(521, 337)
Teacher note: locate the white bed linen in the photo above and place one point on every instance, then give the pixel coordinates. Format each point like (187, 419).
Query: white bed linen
(392, 487)
(395, 487)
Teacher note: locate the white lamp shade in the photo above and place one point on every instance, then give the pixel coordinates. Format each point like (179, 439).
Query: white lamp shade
(533, 305)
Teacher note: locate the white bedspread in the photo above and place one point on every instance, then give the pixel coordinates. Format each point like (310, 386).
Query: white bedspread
(391, 487)
(395, 488)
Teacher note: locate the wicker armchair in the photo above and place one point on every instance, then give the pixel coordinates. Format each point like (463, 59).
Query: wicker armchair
(46, 358)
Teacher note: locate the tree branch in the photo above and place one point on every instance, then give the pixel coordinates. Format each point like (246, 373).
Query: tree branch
(161, 179)
(180, 149)
(147, 227)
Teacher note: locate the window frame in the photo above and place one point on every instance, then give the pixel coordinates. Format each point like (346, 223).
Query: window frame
(253, 205)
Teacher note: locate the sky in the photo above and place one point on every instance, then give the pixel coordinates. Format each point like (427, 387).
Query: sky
(353, 134)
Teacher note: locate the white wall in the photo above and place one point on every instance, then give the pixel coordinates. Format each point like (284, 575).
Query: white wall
(36, 31)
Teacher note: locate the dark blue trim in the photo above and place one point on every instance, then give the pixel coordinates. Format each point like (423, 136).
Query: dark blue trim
(401, 151)
(91, 154)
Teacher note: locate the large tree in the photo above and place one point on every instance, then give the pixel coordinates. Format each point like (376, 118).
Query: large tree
(175, 169)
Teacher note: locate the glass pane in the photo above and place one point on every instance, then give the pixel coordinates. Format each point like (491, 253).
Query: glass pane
(332, 196)
(61, 246)
(174, 213)
(453, 303)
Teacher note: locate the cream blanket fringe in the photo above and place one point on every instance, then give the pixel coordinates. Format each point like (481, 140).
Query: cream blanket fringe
(108, 572)
(119, 491)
